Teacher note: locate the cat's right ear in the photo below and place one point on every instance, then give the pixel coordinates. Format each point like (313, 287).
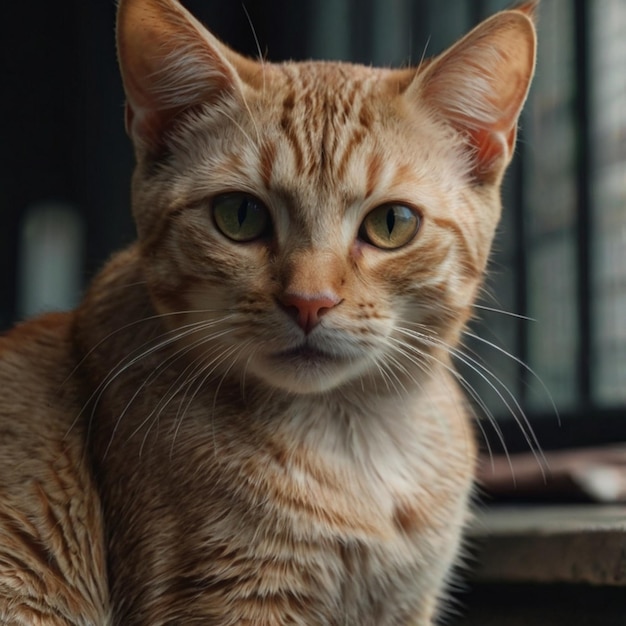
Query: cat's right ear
(480, 84)
(170, 63)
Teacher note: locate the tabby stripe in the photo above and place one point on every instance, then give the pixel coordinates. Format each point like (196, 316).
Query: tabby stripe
(472, 264)
(356, 139)
(268, 154)
(374, 172)
(289, 129)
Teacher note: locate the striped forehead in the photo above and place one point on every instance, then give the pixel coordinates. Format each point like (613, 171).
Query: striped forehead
(319, 137)
(324, 116)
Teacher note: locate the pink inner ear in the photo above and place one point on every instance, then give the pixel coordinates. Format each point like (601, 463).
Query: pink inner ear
(149, 125)
(489, 147)
(144, 124)
(129, 117)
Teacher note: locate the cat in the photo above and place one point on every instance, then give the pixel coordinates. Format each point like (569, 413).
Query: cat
(253, 415)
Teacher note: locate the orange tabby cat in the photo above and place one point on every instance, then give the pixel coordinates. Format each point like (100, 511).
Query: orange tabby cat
(253, 418)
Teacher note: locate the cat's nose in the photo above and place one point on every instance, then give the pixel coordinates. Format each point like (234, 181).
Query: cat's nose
(308, 309)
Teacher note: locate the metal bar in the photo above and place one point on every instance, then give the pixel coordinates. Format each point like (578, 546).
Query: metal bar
(584, 223)
(521, 258)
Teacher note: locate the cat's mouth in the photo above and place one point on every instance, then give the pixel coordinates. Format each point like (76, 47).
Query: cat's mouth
(306, 355)
(306, 368)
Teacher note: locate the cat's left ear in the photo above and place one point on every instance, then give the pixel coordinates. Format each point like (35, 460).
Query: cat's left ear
(480, 84)
(170, 63)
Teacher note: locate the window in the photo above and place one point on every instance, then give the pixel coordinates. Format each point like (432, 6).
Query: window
(607, 176)
(562, 251)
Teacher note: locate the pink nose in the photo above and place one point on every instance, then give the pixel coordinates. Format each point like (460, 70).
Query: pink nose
(308, 309)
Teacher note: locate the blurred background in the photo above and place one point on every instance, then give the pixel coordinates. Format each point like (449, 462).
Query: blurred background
(558, 279)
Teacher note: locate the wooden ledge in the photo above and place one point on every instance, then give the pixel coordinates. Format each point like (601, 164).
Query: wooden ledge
(550, 544)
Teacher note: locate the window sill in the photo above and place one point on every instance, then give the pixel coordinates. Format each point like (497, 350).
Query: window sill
(546, 566)
(551, 544)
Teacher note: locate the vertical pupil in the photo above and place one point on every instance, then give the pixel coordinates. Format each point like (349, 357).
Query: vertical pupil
(391, 220)
(242, 211)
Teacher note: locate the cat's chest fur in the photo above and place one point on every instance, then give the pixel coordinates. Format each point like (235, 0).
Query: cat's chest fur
(346, 536)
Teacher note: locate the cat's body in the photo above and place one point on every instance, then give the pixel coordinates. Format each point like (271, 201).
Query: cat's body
(265, 431)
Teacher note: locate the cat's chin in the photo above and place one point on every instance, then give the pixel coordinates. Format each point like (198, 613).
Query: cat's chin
(306, 370)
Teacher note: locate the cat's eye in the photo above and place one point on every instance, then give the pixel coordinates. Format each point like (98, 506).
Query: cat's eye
(240, 216)
(390, 226)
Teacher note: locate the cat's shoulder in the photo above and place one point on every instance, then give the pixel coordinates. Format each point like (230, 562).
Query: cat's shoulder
(33, 333)
(33, 356)
(38, 398)
(52, 559)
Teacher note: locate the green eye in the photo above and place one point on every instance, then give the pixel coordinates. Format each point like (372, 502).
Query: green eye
(390, 226)
(240, 216)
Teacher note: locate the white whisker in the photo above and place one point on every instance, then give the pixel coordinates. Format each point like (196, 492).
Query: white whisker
(121, 329)
(521, 364)
(503, 312)
(203, 374)
(139, 354)
(509, 400)
(421, 360)
(173, 389)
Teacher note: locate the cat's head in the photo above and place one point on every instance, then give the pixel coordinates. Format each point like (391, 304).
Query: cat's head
(319, 223)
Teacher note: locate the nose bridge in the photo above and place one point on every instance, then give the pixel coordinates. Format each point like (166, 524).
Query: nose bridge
(313, 272)
(311, 286)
